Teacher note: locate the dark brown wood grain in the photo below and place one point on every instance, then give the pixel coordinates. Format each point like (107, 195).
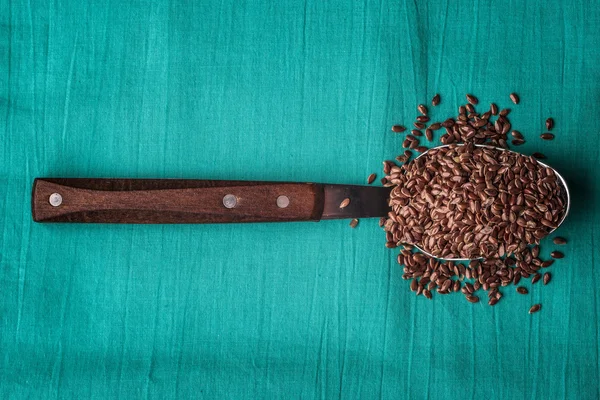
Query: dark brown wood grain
(162, 201)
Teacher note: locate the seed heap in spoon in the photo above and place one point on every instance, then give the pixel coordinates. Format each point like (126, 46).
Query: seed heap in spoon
(470, 202)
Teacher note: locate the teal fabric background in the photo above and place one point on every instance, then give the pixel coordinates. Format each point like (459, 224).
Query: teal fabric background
(279, 90)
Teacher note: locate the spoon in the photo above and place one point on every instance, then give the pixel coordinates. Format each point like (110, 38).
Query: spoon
(190, 201)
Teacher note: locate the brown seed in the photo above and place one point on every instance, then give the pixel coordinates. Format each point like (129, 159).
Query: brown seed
(517, 142)
(381, 221)
(419, 125)
(371, 178)
(546, 264)
(398, 128)
(345, 203)
(416, 132)
(494, 109)
(472, 299)
(436, 100)
(539, 156)
(421, 149)
(435, 126)
(516, 135)
(354, 223)
(559, 240)
(556, 254)
(549, 124)
(423, 118)
(493, 301)
(472, 99)
(546, 278)
(422, 109)
(535, 308)
(429, 134)
(547, 136)
(504, 112)
(536, 277)
(470, 108)
(515, 98)
(413, 285)
(427, 294)
(522, 290)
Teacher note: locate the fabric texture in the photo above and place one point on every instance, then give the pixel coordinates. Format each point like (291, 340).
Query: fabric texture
(294, 91)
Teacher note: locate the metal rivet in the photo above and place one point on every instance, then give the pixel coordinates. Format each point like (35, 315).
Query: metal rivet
(55, 199)
(229, 201)
(283, 201)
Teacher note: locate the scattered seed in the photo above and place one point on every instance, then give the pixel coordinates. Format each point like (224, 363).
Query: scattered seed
(539, 156)
(535, 308)
(515, 98)
(398, 128)
(549, 124)
(504, 112)
(436, 100)
(546, 278)
(493, 109)
(422, 109)
(416, 132)
(559, 240)
(423, 118)
(429, 134)
(547, 136)
(556, 254)
(371, 178)
(493, 301)
(435, 126)
(472, 299)
(522, 290)
(472, 99)
(427, 293)
(421, 149)
(345, 203)
(546, 264)
(536, 277)
(354, 223)
(419, 125)
(517, 135)
(517, 142)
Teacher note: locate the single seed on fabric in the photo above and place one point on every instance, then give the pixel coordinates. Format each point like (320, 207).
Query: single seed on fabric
(371, 178)
(535, 308)
(547, 136)
(354, 223)
(436, 100)
(398, 128)
(422, 109)
(559, 240)
(494, 109)
(546, 278)
(472, 299)
(429, 134)
(556, 254)
(515, 98)
(522, 290)
(472, 99)
(549, 124)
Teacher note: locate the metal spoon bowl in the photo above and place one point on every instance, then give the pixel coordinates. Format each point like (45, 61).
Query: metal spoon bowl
(560, 177)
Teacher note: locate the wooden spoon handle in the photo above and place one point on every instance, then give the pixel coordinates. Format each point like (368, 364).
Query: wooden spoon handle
(173, 201)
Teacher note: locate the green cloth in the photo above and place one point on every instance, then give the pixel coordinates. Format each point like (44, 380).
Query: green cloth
(280, 90)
